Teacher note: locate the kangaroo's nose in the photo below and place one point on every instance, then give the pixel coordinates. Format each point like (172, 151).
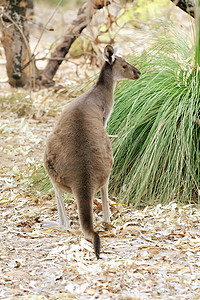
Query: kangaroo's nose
(137, 73)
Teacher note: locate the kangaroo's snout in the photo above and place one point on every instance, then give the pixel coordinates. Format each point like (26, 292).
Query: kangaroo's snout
(123, 70)
(137, 73)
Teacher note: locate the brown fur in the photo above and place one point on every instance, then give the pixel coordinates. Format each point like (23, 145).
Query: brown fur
(78, 155)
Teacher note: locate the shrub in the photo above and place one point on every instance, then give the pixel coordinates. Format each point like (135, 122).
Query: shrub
(156, 120)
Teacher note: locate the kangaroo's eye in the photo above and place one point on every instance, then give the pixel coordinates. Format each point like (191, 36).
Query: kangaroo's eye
(125, 66)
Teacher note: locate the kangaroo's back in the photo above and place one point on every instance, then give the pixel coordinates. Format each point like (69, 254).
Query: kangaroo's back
(78, 154)
(83, 146)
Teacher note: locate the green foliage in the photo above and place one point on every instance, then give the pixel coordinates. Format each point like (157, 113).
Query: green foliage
(80, 46)
(40, 183)
(141, 10)
(156, 119)
(197, 21)
(146, 10)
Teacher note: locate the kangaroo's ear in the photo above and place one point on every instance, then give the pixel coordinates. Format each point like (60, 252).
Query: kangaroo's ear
(116, 48)
(109, 54)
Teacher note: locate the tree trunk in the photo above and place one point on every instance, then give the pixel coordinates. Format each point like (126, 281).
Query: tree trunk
(187, 5)
(15, 40)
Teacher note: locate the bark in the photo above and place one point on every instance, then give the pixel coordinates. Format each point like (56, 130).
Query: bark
(15, 40)
(84, 17)
(187, 5)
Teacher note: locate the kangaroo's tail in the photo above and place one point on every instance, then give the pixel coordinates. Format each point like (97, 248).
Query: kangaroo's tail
(97, 244)
(85, 204)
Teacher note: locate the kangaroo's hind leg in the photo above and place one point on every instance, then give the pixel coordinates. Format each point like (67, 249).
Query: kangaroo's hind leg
(63, 220)
(105, 205)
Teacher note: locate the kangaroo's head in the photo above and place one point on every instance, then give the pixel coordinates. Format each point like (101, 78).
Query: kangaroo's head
(121, 69)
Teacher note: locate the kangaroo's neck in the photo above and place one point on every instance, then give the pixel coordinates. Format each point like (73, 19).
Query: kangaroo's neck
(106, 86)
(105, 79)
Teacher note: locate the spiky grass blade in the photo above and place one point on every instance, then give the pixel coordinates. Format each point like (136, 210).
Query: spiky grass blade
(197, 23)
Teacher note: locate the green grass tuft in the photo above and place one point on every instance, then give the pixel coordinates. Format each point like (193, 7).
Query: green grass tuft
(156, 120)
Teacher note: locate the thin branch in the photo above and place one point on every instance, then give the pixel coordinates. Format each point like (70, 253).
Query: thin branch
(45, 26)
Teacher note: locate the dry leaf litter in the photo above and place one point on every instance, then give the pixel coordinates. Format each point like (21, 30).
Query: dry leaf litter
(146, 254)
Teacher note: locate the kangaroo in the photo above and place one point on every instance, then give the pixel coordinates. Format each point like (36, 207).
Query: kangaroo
(78, 155)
